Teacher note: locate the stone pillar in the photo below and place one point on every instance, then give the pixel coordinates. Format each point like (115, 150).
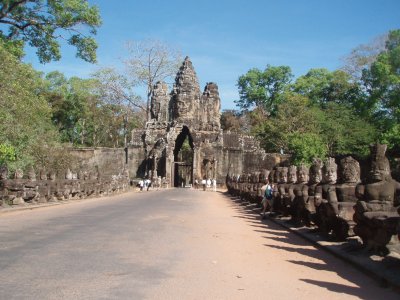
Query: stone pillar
(169, 165)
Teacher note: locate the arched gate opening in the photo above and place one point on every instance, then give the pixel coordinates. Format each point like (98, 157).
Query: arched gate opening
(183, 159)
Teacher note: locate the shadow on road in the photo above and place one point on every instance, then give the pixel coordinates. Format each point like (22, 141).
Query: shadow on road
(275, 230)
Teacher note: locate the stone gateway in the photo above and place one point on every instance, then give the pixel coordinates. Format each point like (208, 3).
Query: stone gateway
(183, 140)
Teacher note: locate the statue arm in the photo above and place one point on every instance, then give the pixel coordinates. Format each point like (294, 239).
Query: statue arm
(332, 199)
(396, 194)
(304, 191)
(360, 190)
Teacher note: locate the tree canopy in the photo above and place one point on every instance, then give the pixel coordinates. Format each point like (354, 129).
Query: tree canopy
(42, 23)
(263, 89)
(25, 116)
(327, 113)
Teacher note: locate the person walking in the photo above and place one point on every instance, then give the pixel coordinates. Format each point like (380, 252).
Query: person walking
(141, 184)
(267, 199)
(214, 185)
(208, 183)
(204, 183)
(147, 184)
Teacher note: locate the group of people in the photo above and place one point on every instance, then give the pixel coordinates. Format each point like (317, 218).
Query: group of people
(144, 184)
(207, 184)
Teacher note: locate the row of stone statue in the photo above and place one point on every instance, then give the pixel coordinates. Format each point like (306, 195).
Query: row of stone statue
(313, 196)
(47, 188)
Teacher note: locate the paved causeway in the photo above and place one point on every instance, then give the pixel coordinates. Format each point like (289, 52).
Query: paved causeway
(167, 244)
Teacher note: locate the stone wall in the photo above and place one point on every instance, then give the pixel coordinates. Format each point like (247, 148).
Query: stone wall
(107, 161)
(23, 190)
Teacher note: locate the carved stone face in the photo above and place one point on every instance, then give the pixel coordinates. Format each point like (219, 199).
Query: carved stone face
(380, 170)
(43, 175)
(350, 170)
(18, 174)
(316, 176)
(181, 107)
(292, 178)
(330, 175)
(3, 172)
(283, 175)
(52, 176)
(263, 178)
(155, 109)
(32, 174)
(302, 176)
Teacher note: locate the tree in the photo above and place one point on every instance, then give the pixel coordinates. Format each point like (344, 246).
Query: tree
(233, 120)
(85, 116)
(363, 56)
(382, 81)
(41, 23)
(304, 147)
(263, 89)
(294, 115)
(116, 89)
(306, 130)
(25, 116)
(69, 99)
(322, 86)
(151, 61)
(344, 132)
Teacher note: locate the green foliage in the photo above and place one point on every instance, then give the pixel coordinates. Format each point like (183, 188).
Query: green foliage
(322, 86)
(293, 115)
(391, 137)
(84, 115)
(7, 154)
(306, 130)
(41, 23)
(15, 48)
(186, 152)
(25, 124)
(263, 89)
(328, 112)
(346, 133)
(304, 147)
(382, 81)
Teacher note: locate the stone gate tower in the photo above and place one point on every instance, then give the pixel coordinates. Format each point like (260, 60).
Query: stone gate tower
(186, 114)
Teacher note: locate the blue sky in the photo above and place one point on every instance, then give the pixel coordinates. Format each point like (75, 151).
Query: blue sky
(224, 39)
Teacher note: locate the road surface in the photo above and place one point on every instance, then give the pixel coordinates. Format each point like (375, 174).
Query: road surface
(166, 244)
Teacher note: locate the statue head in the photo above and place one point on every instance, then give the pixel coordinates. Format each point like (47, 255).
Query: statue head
(282, 174)
(329, 171)
(31, 174)
(302, 174)
(292, 174)
(350, 170)
(316, 171)
(18, 174)
(263, 178)
(3, 172)
(255, 177)
(52, 175)
(68, 174)
(42, 174)
(380, 167)
(271, 176)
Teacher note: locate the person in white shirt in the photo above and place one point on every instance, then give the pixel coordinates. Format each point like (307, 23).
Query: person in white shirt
(204, 183)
